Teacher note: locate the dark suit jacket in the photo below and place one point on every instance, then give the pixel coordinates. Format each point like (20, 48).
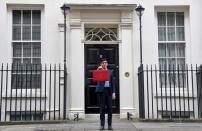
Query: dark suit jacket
(100, 85)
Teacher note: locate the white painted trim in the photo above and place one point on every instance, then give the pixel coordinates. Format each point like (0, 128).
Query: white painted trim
(100, 24)
(76, 109)
(103, 6)
(124, 21)
(25, 6)
(180, 8)
(101, 42)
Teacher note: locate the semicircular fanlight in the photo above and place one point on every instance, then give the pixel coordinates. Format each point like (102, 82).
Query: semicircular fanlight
(101, 34)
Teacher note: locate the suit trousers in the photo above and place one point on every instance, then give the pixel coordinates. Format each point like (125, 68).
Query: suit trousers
(105, 99)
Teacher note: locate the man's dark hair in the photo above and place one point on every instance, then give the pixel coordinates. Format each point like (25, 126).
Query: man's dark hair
(102, 59)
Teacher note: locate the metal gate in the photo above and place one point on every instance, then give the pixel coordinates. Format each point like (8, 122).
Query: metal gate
(170, 92)
(32, 92)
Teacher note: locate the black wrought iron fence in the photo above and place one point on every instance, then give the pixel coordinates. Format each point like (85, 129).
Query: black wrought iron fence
(170, 91)
(32, 92)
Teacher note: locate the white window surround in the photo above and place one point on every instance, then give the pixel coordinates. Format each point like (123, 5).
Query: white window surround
(171, 38)
(10, 8)
(187, 40)
(25, 33)
(187, 34)
(26, 43)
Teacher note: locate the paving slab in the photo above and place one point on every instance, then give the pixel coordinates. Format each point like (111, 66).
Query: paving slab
(157, 126)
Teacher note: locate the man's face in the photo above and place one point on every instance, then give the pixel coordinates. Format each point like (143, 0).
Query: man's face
(104, 64)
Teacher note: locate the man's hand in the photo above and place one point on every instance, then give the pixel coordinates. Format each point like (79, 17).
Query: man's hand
(113, 96)
(99, 68)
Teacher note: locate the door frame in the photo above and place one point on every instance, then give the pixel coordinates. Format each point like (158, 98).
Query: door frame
(99, 43)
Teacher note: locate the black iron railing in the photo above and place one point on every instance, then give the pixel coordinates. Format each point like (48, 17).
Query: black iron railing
(32, 92)
(170, 91)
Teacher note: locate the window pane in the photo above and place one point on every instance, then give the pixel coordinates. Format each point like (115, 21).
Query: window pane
(26, 17)
(36, 17)
(171, 33)
(171, 49)
(26, 80)
(183, 80)
(38, 117)
(16, 33)
(162, 34)
(27, 116)
(13, 81)
(162, 50)
(16, 17)
(171, 62)
(36, 60)
(180, 33)
(36, 80)
(36, 50)
(36, 65)
(36, 32)
(181, 61)
(181, 77)
(180, 19)
(162, 77)
(27, 66)
(27, 61)
(16, 61)
(27, 49)
(180, 49)
(15, 117)
(16, 64)
(26, 32)
(163, 63)
(172, 78)
(161, 18)
(17, 80)
(17, 49)
(171, 18)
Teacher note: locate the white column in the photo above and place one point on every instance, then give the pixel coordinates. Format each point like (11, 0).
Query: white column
(76, 73)
(126, 66)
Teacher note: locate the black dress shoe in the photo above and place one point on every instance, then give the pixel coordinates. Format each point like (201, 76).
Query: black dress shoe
(102, 127)
(110, 128)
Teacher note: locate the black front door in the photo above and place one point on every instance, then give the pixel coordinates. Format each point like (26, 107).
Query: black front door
(92, 55)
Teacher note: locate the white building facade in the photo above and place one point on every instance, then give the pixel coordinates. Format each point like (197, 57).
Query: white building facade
(33, 32)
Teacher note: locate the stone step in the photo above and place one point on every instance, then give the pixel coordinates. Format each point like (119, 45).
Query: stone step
(96, 118)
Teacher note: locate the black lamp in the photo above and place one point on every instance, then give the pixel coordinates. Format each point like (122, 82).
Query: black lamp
(140, 10)
(65, 10)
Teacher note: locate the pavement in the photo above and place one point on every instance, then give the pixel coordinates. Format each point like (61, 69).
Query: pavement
(91, 123)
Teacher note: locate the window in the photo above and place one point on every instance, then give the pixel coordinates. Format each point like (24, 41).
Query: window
(101, 34)
(176, 114)
(171, 48)
(26, 43)
(24, 117)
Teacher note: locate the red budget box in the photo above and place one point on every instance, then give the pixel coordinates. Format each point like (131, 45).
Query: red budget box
(100, 75)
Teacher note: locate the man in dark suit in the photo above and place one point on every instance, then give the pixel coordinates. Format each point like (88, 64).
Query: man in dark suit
(106, 92)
